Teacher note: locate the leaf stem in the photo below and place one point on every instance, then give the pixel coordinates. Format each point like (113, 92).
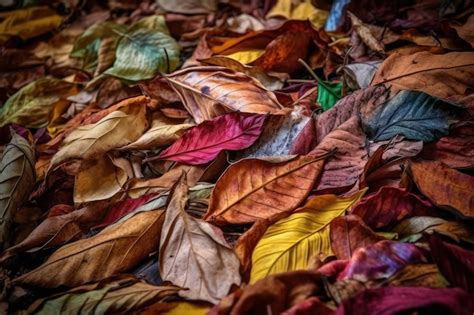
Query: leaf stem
(315, 76)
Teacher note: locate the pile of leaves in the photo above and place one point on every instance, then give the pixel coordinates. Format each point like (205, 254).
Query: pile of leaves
(237, 157)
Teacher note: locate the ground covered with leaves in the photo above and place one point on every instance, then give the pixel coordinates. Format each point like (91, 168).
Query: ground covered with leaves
(237, 157)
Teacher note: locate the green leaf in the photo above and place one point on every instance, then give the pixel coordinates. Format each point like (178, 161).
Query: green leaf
(142, 53)
(17, 179)
(328, 93)
(30, 106)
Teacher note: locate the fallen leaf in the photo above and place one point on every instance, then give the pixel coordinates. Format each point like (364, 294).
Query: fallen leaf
(347, 164)
(454, 262)
(270, 81)
(377, 261)
(428, 225)
(444, 186)
(274, 294)
(17, 179)
(432, 115)
(456, 149)
(189, 6)
(194, 254)
(87, 188)
(328, 93)
(465, 31)
(142, 53)
(394, 300)
(348, 233)
(419, 275)
(119, 128)
(31, 105)
(289, 243)
(202, 144)
(441, 76)
(205, 95)
(257, 189)
(277, 137)
(390, 205)
(114, 250)
(60, 229)
(29, 22)
(365, 34)
(121, 294)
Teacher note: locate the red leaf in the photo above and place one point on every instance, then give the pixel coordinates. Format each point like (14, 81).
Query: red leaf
(122, 208)
(349, 233)
(455, 150)
(390, 205)
(202, 144)
(408, 300)
(306, 139)
(454, 262)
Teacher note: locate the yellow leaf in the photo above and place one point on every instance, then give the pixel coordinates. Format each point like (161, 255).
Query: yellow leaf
(30, 22)
(188, 308)
(246, 56)
(289, 243)
(300, 11)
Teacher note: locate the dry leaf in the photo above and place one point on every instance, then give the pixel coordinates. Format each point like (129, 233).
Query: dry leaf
(257, 189)
(114, 250)
(17, 179)
(207, 92)
(194, 254)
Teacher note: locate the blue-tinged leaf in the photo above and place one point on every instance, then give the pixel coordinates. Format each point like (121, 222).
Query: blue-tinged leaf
(415, 115)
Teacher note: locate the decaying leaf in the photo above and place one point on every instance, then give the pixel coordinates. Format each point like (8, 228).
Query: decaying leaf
(194, 254)
(121, 294)
(444, 186)
(114, 250)
(17, 178)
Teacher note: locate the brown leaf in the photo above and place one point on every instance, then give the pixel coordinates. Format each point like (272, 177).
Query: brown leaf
(207, 92)
(17, 179)
(347, 164)
(87, 188)
(117, 129)
(253, 189)
(416, 225)
(60, 229)
(194, 254)
(121, 294)
(444, 186)
(456, 149)
(274, 294)
(114, 250)
(422, 72)
(349, 233)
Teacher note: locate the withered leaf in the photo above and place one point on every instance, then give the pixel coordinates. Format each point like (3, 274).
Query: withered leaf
(114, 250)
(194, 254)
(17, 179)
